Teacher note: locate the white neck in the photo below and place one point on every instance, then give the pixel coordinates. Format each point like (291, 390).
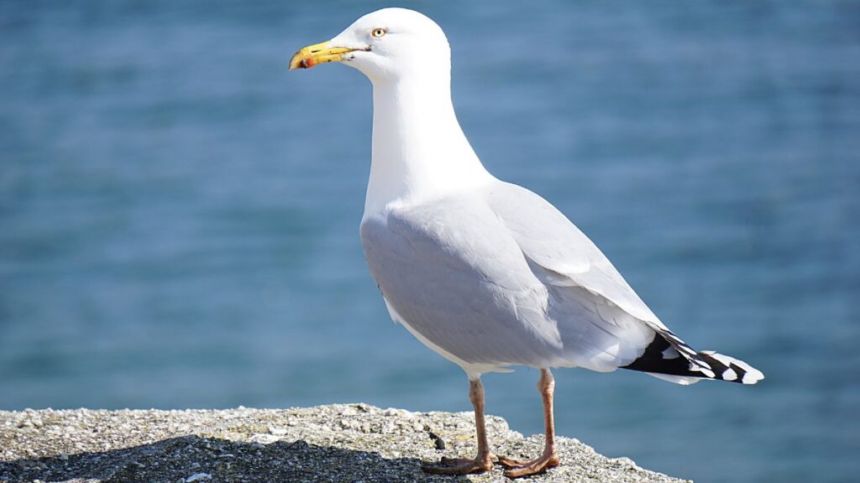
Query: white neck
(419, 149)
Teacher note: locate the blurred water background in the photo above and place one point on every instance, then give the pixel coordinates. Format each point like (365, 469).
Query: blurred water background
(179, 215)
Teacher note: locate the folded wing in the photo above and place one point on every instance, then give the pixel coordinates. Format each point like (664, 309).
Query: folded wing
(578, 273)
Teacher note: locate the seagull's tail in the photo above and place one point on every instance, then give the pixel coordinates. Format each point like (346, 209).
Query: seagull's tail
(669, 358)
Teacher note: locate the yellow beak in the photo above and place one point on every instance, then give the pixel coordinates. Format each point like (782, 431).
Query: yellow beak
(320, 53)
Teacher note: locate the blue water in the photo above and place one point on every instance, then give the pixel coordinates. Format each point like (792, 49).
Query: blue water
(179, 214)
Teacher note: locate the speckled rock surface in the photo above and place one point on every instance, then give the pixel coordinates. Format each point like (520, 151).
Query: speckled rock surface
(353, 442)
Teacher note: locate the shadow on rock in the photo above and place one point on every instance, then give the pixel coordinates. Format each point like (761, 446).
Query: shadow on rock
(193, 458)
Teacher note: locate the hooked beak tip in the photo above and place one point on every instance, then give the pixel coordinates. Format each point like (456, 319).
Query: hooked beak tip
(316, 54)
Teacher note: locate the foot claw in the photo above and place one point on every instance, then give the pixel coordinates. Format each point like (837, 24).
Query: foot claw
(518, 469)
(510, 462)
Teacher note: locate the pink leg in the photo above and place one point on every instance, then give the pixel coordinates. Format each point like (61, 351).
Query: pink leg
(549, 458)
(484, 461)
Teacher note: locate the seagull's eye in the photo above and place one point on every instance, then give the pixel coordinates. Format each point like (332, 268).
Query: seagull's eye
(377, 32)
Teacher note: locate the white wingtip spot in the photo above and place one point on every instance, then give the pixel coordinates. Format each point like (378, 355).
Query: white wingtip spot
(670, 353)
(752, 376)
(729, 375)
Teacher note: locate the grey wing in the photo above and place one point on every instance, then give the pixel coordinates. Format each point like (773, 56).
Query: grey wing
(456, 278)
(578, 275)
(564, 255)
(466, 285)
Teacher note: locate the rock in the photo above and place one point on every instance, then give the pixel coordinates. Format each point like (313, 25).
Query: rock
(198, 477)
(354, 442)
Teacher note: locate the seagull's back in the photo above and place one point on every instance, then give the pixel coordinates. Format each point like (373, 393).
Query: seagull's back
(454, 271)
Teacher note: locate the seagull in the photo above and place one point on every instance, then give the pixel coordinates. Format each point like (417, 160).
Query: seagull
(486, 273)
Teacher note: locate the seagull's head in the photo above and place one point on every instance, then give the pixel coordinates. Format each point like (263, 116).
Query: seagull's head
(385, 45)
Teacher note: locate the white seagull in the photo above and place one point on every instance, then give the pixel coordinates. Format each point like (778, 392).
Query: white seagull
(486, 273)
